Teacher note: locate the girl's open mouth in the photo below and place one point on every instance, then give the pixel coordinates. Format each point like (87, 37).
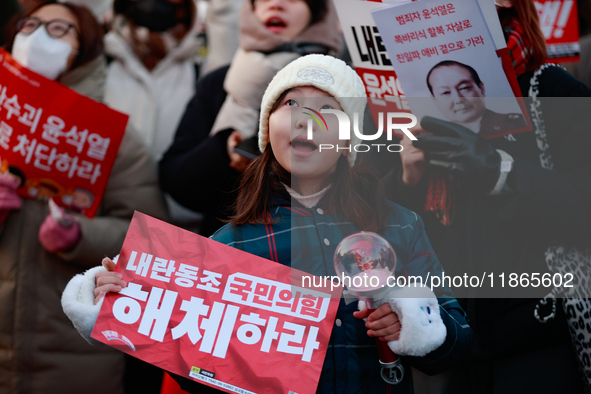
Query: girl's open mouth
(301, 147)
(275, 24)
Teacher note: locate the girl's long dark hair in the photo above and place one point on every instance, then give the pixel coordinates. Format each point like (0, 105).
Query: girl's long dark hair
(261, 181)
(359, 195)
(356, 193)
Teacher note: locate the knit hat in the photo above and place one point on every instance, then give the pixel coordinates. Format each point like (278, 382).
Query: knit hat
(326, 73)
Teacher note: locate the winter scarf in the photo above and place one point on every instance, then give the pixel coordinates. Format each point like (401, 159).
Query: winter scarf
(519, 48)
(261, 56)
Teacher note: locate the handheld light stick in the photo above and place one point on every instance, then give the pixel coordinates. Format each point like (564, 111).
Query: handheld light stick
(369, 260)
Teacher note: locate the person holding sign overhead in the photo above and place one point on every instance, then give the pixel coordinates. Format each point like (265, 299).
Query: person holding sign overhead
(40, 251)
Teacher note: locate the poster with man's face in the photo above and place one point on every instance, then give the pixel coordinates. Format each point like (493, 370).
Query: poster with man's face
(448, 65)
(459, 95)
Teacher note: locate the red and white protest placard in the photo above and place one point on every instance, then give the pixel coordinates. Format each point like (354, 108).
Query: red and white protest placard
(62, 145)
(370, 57)
(560, 24)
(224, 317)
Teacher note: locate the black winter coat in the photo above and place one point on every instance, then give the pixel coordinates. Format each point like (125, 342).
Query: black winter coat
(195, 170)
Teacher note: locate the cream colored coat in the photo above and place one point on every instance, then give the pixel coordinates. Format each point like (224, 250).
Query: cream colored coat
(155, 100)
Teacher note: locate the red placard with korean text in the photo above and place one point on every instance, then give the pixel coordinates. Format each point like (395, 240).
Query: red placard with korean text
(370, 58)
(218, 315)
(560, 24)
(59, 143)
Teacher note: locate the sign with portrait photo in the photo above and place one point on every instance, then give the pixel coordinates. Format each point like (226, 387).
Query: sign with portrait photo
(449, 66)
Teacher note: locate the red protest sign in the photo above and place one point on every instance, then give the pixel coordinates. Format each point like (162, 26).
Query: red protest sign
(60, 143)
(384, 93)
(560, 25)
(371, 60)
(207, 311)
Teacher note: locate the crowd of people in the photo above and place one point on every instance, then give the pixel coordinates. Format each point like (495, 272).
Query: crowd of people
(448, 202)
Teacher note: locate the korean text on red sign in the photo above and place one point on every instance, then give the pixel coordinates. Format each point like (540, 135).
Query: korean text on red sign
(371, 59)
(63, 143)
(204, 310)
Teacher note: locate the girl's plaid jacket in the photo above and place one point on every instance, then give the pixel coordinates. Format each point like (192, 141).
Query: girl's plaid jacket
(306, 239)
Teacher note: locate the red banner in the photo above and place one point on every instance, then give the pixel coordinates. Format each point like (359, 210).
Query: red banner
(371, 59)
(62, 145)
(560, 24)
(224, 317)
(384, 93)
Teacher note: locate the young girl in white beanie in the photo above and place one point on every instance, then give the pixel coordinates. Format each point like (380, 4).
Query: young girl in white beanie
(297, 203)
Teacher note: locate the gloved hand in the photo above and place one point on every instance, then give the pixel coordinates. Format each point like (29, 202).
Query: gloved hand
(59, 235)
(9, 200)
(468, 157)
(409, 321)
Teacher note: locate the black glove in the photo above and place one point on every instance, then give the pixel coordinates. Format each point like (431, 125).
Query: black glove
(468, 157)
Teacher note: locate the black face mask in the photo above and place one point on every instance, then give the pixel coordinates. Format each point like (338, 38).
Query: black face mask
(156, 15)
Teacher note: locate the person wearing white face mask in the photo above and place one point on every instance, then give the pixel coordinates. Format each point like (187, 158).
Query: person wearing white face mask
(40, 350)
(45, 47)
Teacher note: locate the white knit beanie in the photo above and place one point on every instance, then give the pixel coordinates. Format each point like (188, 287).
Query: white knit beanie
(326, 73)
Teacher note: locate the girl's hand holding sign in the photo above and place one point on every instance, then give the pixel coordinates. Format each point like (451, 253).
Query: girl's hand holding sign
(108, 281)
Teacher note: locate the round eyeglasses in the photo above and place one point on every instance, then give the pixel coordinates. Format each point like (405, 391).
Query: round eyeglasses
(56, 27)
